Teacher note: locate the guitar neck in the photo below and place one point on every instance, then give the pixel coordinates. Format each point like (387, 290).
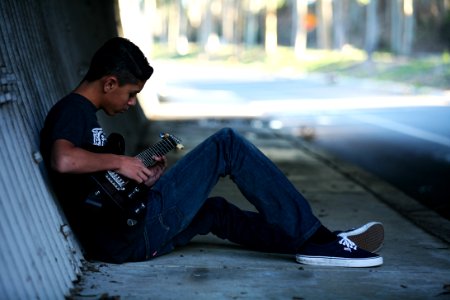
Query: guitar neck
(159, 149)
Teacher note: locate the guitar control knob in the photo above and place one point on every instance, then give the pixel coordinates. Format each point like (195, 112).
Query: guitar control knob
(131, 222)
(134, 192)
(138, 209)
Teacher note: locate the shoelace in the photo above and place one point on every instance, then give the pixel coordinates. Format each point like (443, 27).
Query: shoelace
(348, 244)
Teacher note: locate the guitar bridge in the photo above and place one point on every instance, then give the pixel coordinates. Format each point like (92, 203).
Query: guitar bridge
(116, 180)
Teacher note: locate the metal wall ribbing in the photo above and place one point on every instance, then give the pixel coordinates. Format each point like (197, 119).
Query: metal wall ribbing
(44, 46)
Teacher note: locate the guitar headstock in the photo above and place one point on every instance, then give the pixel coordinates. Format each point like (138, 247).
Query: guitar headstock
(173, 139)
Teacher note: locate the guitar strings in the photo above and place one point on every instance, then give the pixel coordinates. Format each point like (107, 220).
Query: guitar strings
(158, 149)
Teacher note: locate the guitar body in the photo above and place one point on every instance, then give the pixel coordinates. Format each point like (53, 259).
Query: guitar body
(126, 195)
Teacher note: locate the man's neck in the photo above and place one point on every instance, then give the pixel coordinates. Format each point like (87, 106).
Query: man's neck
(90, 90)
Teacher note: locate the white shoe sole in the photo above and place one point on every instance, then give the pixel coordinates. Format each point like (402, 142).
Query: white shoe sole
(369, 237)
(339, 261)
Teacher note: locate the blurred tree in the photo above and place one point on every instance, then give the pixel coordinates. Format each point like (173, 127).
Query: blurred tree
(324, 11)
(233, 23)
(173, 24)
(396, 21)
(271, 40)
(371, 39)
(251, 25)
(299, 30)
(399, 25)
(445, 31)
(229, 19)
(402, 26)
(206, 24)
(182, 42)
(340, 9)
(408, 27)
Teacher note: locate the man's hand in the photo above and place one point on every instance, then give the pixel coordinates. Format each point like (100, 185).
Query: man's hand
(133, 168)
(156, 170)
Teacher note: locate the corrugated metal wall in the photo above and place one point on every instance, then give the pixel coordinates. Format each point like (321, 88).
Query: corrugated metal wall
(44, 48)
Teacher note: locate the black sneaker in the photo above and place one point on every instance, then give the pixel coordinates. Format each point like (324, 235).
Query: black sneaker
(340, 253)
(369, 237)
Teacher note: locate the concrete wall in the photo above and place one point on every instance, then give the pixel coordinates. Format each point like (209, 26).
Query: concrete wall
(45, 48)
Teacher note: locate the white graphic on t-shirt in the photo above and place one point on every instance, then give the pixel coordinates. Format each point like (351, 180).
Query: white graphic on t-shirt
(98, 138)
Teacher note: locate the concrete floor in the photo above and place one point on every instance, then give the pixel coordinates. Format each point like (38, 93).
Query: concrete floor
(416, 263)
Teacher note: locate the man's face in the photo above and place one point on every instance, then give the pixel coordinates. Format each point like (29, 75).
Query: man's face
(119, 98)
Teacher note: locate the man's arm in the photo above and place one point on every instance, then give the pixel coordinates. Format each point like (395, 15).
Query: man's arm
(67, 158)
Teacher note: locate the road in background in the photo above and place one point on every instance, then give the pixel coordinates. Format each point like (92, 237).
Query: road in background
(407, 147)
(396, 132)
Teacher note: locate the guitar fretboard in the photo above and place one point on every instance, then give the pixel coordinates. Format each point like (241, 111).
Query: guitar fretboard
(159, 149)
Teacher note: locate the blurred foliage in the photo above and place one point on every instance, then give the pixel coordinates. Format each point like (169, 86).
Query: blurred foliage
(430, 70)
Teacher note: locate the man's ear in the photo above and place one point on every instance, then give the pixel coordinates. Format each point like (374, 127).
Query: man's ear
(110, 83)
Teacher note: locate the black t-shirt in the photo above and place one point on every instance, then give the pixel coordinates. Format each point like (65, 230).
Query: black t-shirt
(102, 232)
(73, 119)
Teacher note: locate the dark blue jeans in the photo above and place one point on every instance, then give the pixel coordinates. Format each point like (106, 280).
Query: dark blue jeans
(179, 207)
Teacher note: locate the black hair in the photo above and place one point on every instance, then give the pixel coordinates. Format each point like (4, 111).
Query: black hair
(121, 58)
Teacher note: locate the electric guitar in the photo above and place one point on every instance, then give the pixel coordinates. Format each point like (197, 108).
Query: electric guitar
(125, 193)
